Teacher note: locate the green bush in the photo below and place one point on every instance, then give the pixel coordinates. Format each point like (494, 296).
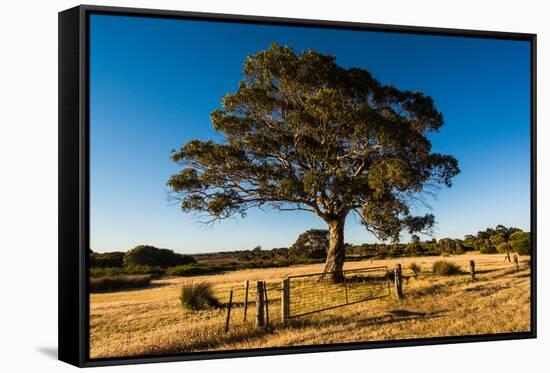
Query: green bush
(504, 247)
(444, 268)
(118, 282)
(151, 256)
(311, 244)
(522, 246)
(197, 270)
(488, 250)
(415, 268)
(131, 270)
(107, 260)
(198, 296)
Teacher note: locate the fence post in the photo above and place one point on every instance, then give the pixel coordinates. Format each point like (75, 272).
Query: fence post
(266, 305)
(516, 262)
(398, 281)
(245, 298)
(228, 311)
(473, 270)
(285, 301)
(260, 322)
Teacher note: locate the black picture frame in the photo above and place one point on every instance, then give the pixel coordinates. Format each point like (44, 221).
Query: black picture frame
(74, 183)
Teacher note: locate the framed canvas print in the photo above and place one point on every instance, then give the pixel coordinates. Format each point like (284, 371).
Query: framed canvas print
(237, 186)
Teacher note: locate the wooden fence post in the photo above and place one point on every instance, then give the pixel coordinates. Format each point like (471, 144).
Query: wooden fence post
(398, 281)
(260, 322)
(228, 311)
(285, 301)
(516, 262)
(266, 305)
(473, 270)
(245, 298)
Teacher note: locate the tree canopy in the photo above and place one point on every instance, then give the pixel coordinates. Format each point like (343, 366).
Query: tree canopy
(311, 244)
(146, 255)
(303, 133)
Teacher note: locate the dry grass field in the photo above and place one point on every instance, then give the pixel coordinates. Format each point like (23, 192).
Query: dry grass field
(152, 321)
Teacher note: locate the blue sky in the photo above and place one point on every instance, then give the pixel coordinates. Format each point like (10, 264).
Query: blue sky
(154, 83)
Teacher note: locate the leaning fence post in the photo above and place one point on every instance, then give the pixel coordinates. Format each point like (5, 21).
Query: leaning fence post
(473, 270)
(285, 300)
(398, 281)
(228, 311)
(245, 298)
(260, 322)
(516, 262)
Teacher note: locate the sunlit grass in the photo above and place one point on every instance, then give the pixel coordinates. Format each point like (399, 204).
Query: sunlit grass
(152, 321)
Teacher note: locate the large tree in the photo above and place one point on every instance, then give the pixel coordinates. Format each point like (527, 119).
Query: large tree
(302, 133)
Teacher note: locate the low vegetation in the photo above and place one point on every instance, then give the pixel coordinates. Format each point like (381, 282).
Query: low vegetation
(445, 268)
(198, 296)
(119, 282)
(415, 268)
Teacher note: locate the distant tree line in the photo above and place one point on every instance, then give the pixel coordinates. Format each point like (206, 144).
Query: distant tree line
(490, 241)
(310, 247)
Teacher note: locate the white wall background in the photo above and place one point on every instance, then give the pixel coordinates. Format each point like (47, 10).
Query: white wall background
(28, 183)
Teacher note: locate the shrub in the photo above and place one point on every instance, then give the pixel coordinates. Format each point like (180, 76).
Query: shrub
(311, 244)
(106, 260)
(522, 246)
(198, 296)
(521, 243)
(444, 268)
(196, 270)
(488, 250)
(145, 255)
(504, 247)
(118, 282)
(131, 270)
(415, 268)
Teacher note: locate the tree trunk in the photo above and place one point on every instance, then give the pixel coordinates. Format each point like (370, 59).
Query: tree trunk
(335, 252)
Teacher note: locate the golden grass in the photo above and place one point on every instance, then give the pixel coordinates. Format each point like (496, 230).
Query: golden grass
(152, 321)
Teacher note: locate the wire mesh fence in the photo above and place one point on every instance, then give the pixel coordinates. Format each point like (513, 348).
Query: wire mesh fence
(317, 292)
(240, 301)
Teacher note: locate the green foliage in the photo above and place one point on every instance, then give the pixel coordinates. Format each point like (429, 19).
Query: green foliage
(145, 255)
(104, 260)
(303, 133)
(415, 268)
(444, 268)
(488, 249)
(130, 270)
(311, 244)
(521, 243)
(118, 282)
(198, 296)
(198, 269)
(504, 247)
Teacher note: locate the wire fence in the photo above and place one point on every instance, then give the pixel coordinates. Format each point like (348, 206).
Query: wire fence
(317, 292)
(311, 293)
(240, 301)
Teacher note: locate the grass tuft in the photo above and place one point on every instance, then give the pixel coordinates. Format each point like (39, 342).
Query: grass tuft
(415, 268)
(444, 268)
(198, 296)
